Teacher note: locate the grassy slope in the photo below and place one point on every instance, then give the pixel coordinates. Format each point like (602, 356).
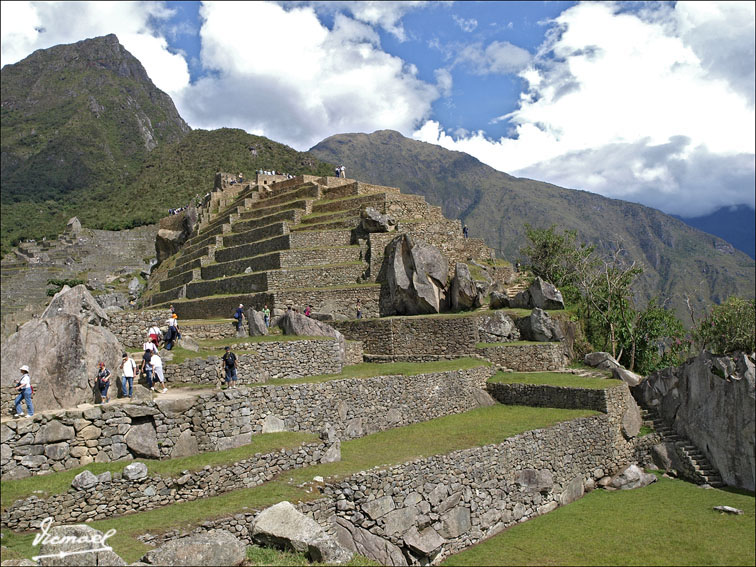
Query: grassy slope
(495, 206)
(562, 379)
(481, 426)
(671, 522)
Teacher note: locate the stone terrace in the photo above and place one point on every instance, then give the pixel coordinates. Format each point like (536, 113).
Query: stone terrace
(296, 241)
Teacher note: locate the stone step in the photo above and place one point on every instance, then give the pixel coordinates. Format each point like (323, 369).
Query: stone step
(329, 217)
(377, 200)
(301, 277)
(302, 191)
(350, 222)
(301, 204)
(250, 236)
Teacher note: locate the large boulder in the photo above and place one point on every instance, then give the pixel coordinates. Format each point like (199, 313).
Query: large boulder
(498, 300)
(361, 541)
(373, 221)
(545, 295)
(497, 328)
(632, 477)
(293, 323)
(73, 550)
(416, 274)
(215, 547)
(141, 439)
(521, 300)
(712, 401)
(283, 526)
(62, 352)
(173, 232)
(602, 360)
(464, 292)
(76, 301)
(539, 326)
(257, 326)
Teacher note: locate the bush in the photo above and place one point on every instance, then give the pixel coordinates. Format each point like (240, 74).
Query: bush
(729, 327)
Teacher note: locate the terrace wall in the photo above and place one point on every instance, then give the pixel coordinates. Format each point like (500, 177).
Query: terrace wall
(218, 420)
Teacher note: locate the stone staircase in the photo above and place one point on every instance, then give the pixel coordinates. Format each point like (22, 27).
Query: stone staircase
(294, 242)
(696, 466)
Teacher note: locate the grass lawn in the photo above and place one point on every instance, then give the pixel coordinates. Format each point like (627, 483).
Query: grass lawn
(267, 556)
(509, 343)
(56, 483)
(370, 369)
(482, 426)
(671, 522)
(563, 379)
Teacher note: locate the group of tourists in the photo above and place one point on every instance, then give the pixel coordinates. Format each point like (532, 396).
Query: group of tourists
(340, 171)
(273, 172)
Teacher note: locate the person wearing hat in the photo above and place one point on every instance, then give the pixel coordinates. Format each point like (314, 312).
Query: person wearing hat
(103, 382)
(239, 316)
(128, 367)
(230, 364)
(24, 389)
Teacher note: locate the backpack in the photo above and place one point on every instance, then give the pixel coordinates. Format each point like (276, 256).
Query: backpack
(229, 359)
(236, 315)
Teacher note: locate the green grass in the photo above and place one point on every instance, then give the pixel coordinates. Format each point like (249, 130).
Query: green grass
(671, 522)
(214, 347)
(482, 426)
(370, 369)
(57, 483)
(268, 556)
(553, 379)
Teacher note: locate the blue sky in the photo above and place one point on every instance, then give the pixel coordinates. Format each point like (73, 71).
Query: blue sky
(651, 102)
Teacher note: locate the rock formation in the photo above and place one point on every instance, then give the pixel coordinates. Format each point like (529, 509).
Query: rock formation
(173, 232)
(297, 324)
(540, 327)
(283, 526)
(464, 292)
(373, 221)
(711, 400)
(416, 274)
(62, 350)
(540, 294)
(215, 547)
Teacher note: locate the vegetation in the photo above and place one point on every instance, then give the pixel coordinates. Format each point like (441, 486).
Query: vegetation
(58, 284)
(671, 522)
(603, 289)
(728, 327)
(562, 379)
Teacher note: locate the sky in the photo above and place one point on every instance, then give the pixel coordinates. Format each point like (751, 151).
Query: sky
(650, 102)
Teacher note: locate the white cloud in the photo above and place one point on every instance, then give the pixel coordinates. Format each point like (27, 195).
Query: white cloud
(27, 26)
(384, 14)
(296, 81)
(655, 107)
(499, 57)
(465, 25)
(444, 81)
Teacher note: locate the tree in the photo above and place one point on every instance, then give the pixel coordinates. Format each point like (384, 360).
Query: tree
(656, 339)
(729, 327)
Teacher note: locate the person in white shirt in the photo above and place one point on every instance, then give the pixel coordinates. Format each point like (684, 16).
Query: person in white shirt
(149, 345)
(157, 368)
(155, 334)
(24, 389)
(129, 371)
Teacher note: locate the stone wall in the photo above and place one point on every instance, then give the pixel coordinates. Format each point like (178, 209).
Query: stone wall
(412, 336)
(116, 496)
(130, 327)
(527, 358)
(427, 509)
(538, 395)
(263, 361)
(218, 420)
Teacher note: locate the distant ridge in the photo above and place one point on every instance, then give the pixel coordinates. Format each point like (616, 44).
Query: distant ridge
(735, 224)
(677, 258)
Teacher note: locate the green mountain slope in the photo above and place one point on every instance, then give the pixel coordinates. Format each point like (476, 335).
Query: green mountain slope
(85, 132)
(677, 258)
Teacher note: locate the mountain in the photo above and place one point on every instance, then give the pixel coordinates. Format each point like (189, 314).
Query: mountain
(677, 259)
(85, 132)
(735, 224)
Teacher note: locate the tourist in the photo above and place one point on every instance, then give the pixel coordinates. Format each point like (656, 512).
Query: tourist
(25, 391)
(343, 171)
(359, 309)
(241, 177)
(103, 382)
(157, 369)
(146, 367)
(129, 370)
(337, 171)
(517, 266)
(155, 334)
(172, 309)
(149, 346)
(172, 334)
(464, 231)
(230, 364)
(266, 315)
(308, 311)
(239, 316)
